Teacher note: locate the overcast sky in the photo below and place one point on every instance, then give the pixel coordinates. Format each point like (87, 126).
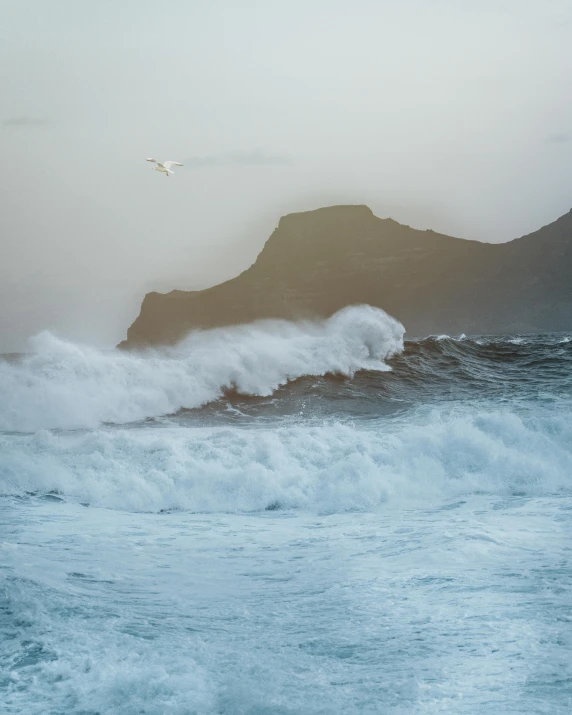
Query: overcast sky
(447, 114)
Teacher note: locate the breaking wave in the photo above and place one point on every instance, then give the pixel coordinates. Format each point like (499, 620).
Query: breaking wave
(68, 386)
(422, 420)
(324, 467)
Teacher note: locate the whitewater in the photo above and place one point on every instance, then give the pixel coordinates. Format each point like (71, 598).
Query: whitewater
(288, 517)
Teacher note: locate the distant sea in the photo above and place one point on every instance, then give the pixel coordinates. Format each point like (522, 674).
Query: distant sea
(288, 518)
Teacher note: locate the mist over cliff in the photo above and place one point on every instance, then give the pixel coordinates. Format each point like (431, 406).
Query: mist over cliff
(318, 262)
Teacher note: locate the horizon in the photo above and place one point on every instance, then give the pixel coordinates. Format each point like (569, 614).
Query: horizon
(22, 344)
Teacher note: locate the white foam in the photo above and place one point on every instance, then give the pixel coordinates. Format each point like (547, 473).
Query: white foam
(67, 386)
(326, 468)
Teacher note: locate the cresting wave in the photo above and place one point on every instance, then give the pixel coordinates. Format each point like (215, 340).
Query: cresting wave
(451, 417)
(334, 467)
(66, 386)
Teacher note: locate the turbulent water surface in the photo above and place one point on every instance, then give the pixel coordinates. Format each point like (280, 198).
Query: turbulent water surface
(288, 518)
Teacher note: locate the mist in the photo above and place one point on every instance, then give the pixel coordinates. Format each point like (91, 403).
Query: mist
(445, 115)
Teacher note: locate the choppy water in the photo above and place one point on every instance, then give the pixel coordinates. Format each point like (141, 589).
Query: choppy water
(288, 518)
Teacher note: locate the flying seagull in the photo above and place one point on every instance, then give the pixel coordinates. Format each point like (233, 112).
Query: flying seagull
(165, 167)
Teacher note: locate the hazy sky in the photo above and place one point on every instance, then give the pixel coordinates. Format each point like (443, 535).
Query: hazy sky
(447, 114)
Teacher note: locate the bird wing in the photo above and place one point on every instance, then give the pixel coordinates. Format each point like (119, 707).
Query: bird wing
(153, 160)
(169, 164)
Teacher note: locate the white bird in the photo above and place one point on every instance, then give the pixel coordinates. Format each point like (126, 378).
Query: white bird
(165, 167)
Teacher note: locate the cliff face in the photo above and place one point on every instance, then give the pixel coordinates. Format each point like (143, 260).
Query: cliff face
(320, 261)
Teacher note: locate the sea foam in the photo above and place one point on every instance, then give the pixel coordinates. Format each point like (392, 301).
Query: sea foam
(332, 467)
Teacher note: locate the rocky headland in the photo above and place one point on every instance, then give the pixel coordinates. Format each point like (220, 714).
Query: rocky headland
(317, 262)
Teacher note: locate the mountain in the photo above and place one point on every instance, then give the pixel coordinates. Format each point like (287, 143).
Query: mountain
(319, 261)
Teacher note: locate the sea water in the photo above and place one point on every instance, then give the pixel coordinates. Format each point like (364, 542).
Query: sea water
(288, 518)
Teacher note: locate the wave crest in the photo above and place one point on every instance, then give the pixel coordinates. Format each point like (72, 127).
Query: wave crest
(68, 386)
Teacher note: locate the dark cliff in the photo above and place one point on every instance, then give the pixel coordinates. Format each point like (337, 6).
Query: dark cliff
(320, 261)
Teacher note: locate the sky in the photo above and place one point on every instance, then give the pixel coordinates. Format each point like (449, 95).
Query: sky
(443, 114)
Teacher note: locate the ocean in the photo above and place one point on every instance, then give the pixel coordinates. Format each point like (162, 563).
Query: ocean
(288, 518)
